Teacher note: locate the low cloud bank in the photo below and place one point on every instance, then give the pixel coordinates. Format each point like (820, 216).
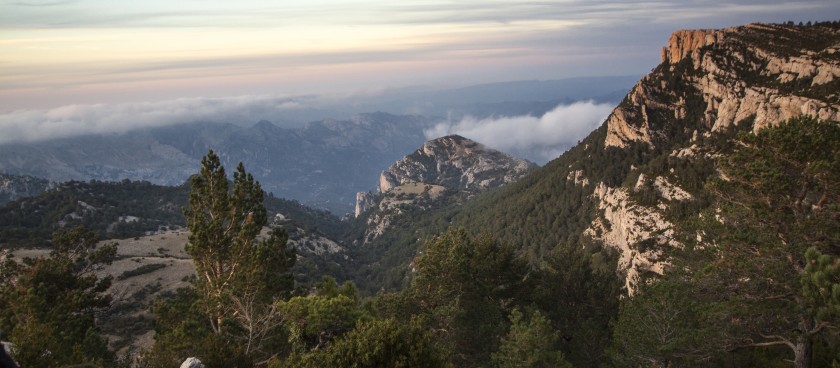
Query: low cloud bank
(74, 120)
(539, 139)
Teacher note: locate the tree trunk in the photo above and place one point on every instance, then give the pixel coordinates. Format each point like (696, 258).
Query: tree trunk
(802, 353)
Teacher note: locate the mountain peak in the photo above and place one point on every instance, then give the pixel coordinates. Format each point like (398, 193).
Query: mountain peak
(757, 74)
(457, 163)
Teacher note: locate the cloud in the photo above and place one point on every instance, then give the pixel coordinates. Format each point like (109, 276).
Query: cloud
(74, 120)
(537, 138)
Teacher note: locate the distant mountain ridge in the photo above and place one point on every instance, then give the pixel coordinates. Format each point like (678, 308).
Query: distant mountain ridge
(15, 186)
(322, 164)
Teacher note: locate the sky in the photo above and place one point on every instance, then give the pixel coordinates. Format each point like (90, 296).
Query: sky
(60, 56)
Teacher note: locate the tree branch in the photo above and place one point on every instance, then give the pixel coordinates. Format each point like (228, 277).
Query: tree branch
(779, 341)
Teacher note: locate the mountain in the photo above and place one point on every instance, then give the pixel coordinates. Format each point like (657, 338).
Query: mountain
(13, 187)
(665, 135)
(456, 163)
(625, 185)
(714, 186)
(322, 164)
(443, 172)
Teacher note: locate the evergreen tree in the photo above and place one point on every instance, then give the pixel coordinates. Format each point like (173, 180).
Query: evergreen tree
(759, 287)
(780, 196)
(314, 321)
(223, 226)
(466, 287)
(531, 343)
(578, 291)
(239, 277)
(48, 305)
(376, 343)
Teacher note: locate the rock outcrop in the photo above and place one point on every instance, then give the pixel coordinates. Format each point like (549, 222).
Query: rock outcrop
(709, 82)
(192, 363)
(638, 233)
(451, 164)
(364, 200)
(759, 73)
(455, 162)
(682, 42)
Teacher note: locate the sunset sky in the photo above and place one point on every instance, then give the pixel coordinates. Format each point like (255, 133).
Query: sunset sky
(60, 52)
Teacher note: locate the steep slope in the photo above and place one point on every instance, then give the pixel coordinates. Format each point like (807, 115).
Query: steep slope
(627, 184)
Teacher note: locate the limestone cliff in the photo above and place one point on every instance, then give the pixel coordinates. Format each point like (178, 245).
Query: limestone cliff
(442, 170)
(455, 162)
(760, 72)
(682, 42)
(709, 82)
(364, 200)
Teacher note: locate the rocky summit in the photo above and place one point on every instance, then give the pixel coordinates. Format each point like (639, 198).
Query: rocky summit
(455, 162)
(765, 72)
(450, 162)
(442, 171)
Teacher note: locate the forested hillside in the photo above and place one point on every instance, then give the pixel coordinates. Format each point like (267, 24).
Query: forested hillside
(117, 210)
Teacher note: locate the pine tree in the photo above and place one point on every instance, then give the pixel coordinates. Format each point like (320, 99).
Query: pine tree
(530, 343)
(47, 304)
(239, 277)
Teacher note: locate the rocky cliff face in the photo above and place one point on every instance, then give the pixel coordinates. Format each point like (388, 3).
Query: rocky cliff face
(440, 171)
(709, 82)
(455, 162)
(759, 73)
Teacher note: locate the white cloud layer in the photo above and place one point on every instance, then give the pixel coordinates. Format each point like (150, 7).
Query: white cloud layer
(537, 138)
(73, 120)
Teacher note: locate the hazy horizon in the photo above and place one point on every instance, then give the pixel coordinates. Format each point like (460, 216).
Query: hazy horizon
(56, 53)
(92, 66)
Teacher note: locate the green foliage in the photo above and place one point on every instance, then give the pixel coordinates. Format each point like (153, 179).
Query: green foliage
(377, 343)
(821, 285)
(662, 325)
(530, 343)
(98, 206)
(102, 207)
(142, 270)
(465, 287)
(578, 291)
(314, 321)
(49, 304)
(179, 326)
(232, 317)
